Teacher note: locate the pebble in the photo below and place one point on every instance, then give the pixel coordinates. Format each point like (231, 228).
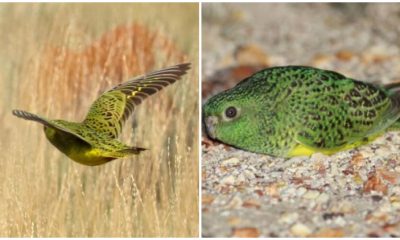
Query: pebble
(228, 180)
(300, 191)
(385, 207)
(344, 206)
(396, 205)
(249, 174)
(382, 151)
(241, 178)
(300, 230)
(339, 221)
(311, 194)
(235, 202)
(334, 169)
(231, 161)
(319, 185)
(323, 198)
(288, 218)
(291, 191)
(318, 157)
(247, 232)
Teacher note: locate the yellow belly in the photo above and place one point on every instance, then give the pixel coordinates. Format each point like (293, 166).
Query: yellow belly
(90, 157)
(304, 150)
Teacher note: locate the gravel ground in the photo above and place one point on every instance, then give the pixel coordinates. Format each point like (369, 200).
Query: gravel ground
(353, 193)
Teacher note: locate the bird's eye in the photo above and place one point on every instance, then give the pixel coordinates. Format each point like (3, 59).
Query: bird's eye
(230, 112)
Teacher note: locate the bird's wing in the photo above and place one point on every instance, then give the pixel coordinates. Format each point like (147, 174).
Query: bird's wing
(352, 111)
(109, 112)
(53, 124)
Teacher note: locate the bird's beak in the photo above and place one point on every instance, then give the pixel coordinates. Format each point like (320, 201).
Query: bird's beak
(210, 125)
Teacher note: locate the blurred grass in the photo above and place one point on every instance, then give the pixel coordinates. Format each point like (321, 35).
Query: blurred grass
(55, 60)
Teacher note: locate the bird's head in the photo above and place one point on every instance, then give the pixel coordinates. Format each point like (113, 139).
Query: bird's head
(231, 117)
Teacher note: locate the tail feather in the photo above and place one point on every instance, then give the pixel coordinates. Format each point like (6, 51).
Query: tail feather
(394, 89)
(29, 116)
(132, 150)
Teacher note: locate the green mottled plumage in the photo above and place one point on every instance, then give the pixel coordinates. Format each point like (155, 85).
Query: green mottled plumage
(94, 141)
(294, 110)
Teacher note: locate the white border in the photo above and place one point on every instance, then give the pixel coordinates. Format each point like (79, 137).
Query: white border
(200, 120)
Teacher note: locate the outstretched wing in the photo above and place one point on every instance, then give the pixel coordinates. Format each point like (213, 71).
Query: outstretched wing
(52, 124)
(109, 112)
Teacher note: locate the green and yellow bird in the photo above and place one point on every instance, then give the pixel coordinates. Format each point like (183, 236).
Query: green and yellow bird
(94, 141)
(295, 110)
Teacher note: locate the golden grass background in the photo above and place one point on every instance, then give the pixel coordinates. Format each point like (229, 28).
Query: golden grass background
(55, 60)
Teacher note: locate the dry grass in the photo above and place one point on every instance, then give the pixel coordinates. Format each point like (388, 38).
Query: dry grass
(55, 61)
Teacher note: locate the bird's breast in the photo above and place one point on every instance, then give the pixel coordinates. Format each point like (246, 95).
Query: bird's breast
(75, 148)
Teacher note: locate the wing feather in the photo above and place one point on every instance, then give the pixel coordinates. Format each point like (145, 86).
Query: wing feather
(52, 124)
(109, 112)
(350, 114)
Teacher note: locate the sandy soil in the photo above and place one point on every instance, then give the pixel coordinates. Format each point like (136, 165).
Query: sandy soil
(355, 193)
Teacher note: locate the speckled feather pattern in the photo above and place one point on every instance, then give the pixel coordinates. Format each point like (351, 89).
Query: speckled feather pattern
(283, 107)
(94, 141)
(109, 112)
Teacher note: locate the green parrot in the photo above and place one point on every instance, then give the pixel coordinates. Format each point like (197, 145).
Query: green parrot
(94, 141)
(297, 111)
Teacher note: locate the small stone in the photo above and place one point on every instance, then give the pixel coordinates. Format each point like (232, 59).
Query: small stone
(206, 199)
(235, 202)
(357, 179)
(373, 235)
(291, 191)
(341, 182)
(382, 151)
(249, 174)
(288, 218)
(272, 190)
(203, 175)
(259, 192)
(375, 183)
(376, 217)
(389, 176)
(396, 205)
(332, 215)
(246, 232)
(234, 221)
(300, 230)
(223, 169)
(241, 178)
(396, 190)
(318, 157)
(334, 170)
(340, 221)
(311, 194)
(357, 159)
(395, 200)
(231, 161)
(228, 180)
(300, 191)
(321, 60)
(344, 206)
(323, 198)
(385, 208)
(329, 233)
(344, 55)
(393, 229)
(376, 198)
(251, 54)
(251, 203)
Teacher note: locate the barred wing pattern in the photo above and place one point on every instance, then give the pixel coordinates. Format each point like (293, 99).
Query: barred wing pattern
(48, 123)
(109, 112)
